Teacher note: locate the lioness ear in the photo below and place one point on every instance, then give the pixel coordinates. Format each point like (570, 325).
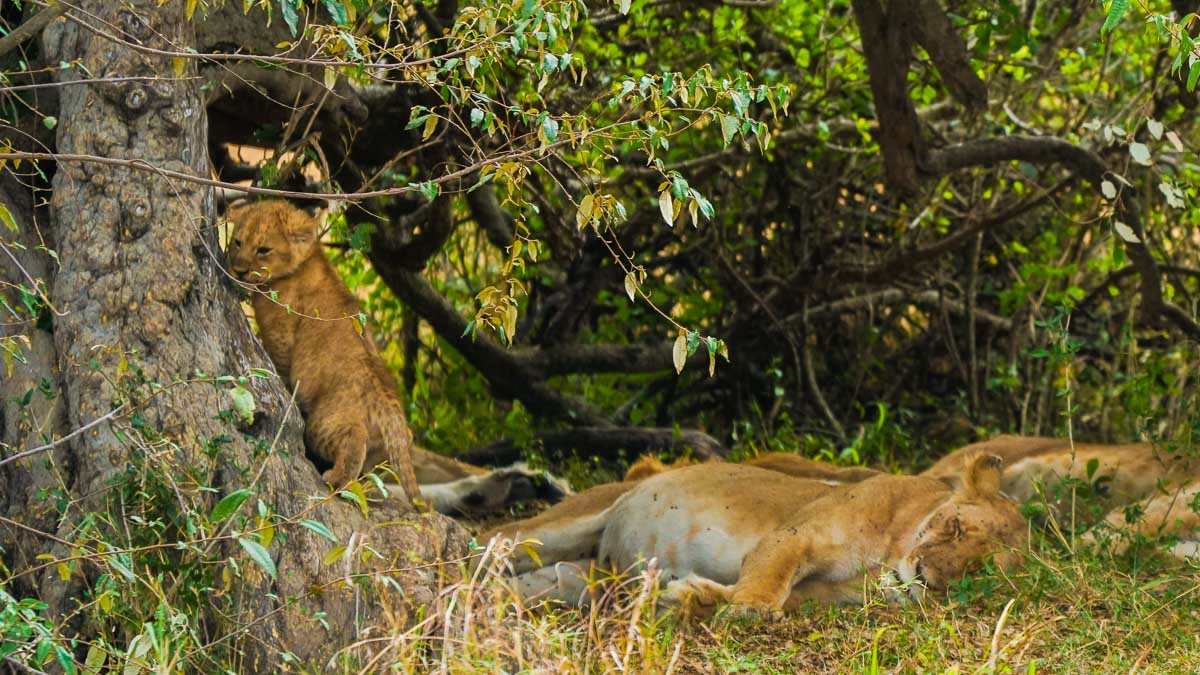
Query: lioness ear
(981, 475)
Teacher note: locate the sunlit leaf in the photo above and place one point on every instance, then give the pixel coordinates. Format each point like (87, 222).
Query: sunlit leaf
(1126, 232)
(679, 352)
(666, 207)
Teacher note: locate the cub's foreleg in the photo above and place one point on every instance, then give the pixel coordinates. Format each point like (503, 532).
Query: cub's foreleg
(341, 439)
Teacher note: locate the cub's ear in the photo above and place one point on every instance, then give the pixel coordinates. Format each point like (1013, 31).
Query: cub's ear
(301, 229)
(981, 475)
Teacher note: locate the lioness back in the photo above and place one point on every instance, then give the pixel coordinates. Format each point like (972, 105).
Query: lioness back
(310, 325)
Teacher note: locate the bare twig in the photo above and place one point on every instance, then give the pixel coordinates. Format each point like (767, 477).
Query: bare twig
(50, 446)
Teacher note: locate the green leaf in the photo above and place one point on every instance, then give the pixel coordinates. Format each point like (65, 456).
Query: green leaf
(550, 128)
(49, 121)
(243, 403)
(337, 11)
(260, 556)
(6, 217)
(65, 660)
(319, 528)
(693, 342)
(1193, 75)
(1116, 12)
(729, 127)
(229, 505)
(429, 189)
(288, 10)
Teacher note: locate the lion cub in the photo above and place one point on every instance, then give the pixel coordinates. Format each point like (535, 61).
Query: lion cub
(309, 324)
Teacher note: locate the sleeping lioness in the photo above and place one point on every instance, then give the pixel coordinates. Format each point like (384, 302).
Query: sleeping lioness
(1037, 467)
(768, 541)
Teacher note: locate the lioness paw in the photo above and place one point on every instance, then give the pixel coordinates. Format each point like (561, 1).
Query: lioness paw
(753, 613)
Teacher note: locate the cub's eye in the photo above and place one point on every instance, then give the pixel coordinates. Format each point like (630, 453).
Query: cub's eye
(237, 243)
(263, 250)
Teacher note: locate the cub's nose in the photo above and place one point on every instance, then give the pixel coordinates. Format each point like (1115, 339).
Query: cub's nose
(240, 274)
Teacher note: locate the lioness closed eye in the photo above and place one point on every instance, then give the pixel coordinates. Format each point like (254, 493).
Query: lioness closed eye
(310, 328)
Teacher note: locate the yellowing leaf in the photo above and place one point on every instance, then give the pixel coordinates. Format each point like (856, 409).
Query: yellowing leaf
(64, 571)
(1175, 142)
(694, 211)
(7, 218)
(1109, 190)
(430, 127)
(584, 215)
(510, 321)
(631, 286)
(179, 62)
(190, 9)
(334, 555)
(666, 206)
(532, 553)
(679, 352)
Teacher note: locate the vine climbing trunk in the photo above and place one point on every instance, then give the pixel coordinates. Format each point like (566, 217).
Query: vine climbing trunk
(149, 340)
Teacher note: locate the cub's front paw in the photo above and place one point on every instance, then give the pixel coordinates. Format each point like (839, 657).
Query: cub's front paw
(755, 613)
(338, 479)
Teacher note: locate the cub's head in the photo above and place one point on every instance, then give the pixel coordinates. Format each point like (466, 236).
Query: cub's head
(270, 240)
(977, 522)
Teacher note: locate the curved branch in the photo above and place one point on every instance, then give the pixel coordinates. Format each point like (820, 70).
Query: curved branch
(504, 372)
(605, 443)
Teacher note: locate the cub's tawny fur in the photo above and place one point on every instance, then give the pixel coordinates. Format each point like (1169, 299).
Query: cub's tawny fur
(353, 416)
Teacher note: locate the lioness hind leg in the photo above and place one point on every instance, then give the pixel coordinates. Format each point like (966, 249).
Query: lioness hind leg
(569, 583)
(342, 442)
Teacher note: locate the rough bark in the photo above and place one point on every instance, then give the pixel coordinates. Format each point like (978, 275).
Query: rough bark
(145, 302)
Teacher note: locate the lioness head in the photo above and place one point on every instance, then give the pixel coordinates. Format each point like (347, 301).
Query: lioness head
(270, 240)
(977, 521)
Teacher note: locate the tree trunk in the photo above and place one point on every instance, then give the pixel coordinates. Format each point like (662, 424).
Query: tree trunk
(147, 321)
